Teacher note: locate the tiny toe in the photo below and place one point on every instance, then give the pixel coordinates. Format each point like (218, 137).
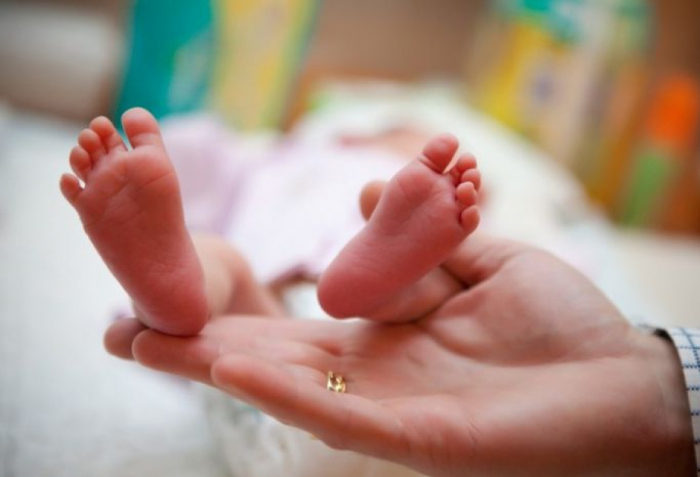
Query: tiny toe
(80, 162)
(91, 142)
(70, 187)
(466, 193)
(107, 133)
(141, 128)
(439, 151)
(470, 218)
(465, 162)
(369, 197)
(456, 176)
(473, 176)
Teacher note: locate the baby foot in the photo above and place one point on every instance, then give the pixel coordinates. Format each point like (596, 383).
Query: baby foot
(423, 214)
(131, 210)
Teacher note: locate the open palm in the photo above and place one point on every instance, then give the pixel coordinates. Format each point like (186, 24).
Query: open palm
(527, 369)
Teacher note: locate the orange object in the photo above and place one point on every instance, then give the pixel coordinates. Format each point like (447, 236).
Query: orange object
(675, 114)
(659, 192)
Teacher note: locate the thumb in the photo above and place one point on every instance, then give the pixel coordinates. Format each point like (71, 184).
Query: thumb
(480, 256)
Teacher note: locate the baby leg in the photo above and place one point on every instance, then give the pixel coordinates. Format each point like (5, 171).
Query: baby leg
(230, 285)
(131, 210)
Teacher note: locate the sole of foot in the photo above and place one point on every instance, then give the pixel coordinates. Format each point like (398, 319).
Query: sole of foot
(128, 200)
(425, 211)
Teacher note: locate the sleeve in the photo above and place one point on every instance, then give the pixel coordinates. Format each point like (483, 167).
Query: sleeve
(687, 342)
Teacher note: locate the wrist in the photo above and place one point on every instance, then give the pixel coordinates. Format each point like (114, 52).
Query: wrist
(674, 439)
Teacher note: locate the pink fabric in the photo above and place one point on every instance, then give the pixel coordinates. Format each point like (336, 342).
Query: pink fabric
(288, 207)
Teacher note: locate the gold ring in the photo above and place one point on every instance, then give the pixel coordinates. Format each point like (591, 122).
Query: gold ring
(335, 382)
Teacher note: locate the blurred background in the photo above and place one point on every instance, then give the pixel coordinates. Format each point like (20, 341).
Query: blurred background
(609, 89)
(584, 115)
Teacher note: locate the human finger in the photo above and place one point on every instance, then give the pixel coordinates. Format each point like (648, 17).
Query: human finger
(293, 341)
(119, 337)
(481, 256)
(419, 299)
(188, 357)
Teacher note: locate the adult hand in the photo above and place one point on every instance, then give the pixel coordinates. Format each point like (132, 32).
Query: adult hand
(526, 369)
